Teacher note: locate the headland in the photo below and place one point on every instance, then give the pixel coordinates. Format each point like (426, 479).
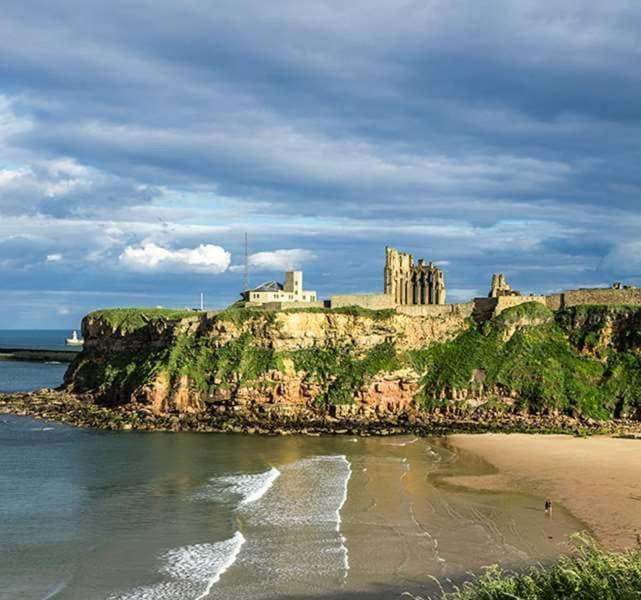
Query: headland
(353, 370)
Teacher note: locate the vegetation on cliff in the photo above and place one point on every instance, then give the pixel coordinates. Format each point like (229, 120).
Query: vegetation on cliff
(524, 354)
(581, 361)
(227, 365)
(341, 371)
(127, 320)
(591, 574)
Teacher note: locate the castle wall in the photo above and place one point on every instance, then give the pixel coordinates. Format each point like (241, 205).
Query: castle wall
(504, 302)
(284, 305)
(436, 310)
(554, 301)
(600, 296)
(372, 301)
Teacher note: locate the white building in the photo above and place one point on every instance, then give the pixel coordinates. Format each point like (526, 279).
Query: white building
(272, 291)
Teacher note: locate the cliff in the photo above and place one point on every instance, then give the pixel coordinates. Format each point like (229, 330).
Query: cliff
(191, 362)
(579, 361)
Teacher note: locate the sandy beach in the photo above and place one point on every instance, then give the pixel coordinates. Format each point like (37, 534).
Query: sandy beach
(598, 479)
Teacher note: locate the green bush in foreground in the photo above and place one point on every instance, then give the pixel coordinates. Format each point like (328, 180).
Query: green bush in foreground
(590, 574)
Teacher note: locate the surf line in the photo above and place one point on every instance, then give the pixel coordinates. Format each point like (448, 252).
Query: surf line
(265, 480)
(239, 540)
(342, 538)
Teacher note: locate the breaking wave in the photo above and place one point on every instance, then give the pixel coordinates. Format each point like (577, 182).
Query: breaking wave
(250, 488)
(193, 570)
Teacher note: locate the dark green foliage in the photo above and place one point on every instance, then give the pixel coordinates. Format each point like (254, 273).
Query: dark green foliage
(199, 358)
(130, 319)
(232, 364)
(340, 371)
(591, 574)
(623, 382)
(116, 376)
(521, 351)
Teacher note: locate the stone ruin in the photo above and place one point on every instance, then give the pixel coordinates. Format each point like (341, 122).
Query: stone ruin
(500, 287)
(408, 282)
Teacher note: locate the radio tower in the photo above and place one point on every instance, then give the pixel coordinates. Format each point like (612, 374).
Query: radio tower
(246, 269)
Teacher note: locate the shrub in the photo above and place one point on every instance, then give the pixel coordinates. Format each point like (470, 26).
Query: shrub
(590, 574)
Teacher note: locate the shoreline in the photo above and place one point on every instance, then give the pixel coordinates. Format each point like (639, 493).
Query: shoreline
(597, 479)
(37, 355)
(82, 411)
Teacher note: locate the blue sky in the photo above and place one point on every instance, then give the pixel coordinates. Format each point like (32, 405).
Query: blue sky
(139, 141)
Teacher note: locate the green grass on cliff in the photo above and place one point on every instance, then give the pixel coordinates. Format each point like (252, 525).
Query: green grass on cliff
(231, 364)
(590, 574)
(340, 371)
(522, 351)
(116, 376)
(130, 319)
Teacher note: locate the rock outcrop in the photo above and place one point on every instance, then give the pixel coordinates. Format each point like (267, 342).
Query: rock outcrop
(362, 364)
(190, 362)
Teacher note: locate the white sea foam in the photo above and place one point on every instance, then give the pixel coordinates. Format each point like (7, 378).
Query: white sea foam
(204, 563)
(343, 539)
(250, 488)
(193, 571)
(253, 487)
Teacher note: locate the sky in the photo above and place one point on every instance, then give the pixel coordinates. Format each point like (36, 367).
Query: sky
(140, 141)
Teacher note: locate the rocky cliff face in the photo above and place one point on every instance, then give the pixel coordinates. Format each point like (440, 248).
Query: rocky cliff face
(581, 361)
(190, 362)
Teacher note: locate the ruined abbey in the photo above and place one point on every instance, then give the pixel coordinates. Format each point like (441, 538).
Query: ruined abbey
(408, 282)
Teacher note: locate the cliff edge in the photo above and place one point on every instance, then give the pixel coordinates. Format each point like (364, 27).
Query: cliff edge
(583, 361)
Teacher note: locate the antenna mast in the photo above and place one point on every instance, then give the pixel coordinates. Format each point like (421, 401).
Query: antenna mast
(246, 270)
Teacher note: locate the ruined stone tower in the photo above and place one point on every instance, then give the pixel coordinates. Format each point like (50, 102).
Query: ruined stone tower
(410, 283)
(500, 287)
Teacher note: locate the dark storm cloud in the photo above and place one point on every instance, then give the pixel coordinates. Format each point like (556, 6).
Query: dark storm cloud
(492, 135)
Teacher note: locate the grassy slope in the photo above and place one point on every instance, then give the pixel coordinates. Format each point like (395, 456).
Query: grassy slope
(539, 362)
(591, 574)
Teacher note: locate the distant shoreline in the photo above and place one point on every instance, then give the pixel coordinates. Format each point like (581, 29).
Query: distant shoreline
(38, 355)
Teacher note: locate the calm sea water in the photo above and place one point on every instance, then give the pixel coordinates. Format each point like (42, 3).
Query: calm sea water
(91, 515)
(26, 376)
(164, 516)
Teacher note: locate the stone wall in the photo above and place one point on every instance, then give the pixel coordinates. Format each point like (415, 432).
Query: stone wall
(372, 301)
(285, 305)
(554, 301)
(594, 296)
(485, 309)
(436, 310)
(503, 302)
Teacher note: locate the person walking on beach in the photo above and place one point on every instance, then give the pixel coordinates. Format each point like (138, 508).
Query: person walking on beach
(548, 507)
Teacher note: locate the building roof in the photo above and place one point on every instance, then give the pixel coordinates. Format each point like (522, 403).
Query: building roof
(268, 286)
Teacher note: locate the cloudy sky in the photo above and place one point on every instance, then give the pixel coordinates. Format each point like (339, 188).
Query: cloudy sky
(139, 141)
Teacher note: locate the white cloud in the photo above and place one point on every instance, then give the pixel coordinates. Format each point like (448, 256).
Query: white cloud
(280, 260)
(54, 257)
(205, 258)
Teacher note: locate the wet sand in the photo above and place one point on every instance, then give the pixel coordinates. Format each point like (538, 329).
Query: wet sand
(597, 479)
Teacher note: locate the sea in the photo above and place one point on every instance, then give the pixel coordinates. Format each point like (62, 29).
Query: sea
(19, 376)
(89, 514)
